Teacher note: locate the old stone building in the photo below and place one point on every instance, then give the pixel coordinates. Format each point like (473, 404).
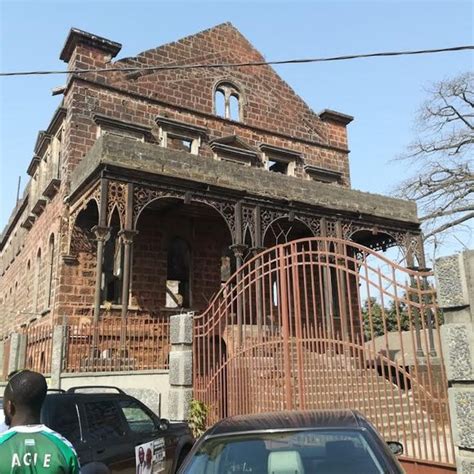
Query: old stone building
(150, 186)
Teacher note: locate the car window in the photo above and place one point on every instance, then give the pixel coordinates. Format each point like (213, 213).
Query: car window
(331, 451)
(65, 419)
(104, 420)
(137, 418)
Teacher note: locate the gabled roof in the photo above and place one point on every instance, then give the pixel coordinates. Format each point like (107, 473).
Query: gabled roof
(191, 46)
(262, 87)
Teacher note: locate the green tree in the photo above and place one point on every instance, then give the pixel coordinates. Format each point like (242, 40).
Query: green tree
(378, 319)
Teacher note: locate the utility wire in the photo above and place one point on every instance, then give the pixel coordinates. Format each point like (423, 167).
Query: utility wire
(244, 64)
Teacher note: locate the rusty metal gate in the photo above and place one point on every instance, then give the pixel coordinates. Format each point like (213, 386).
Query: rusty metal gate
(324, 323)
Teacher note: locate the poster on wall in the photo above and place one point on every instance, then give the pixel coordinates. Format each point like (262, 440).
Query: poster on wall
(150, 457)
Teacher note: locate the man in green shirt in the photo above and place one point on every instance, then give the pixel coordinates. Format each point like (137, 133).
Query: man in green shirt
(29, 447)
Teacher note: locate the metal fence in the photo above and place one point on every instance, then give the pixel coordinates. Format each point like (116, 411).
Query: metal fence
(325, 323)
(39, 346)
(112, 345)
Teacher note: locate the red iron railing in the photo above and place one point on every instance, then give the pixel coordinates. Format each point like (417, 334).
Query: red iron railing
(39, 345)
(325, 323)
(110, 345)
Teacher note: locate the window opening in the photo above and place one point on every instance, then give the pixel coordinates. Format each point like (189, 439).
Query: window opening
(36, 281)
(112, 266)
(15, 296)
(120, 132)
(51, 268)
(175, 142)
(178, 291)
(234, 107)
(278, 166)
(227, 264)
(227, 102)
(220, 103)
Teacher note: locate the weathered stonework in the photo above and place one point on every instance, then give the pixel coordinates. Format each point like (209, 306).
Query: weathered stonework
(179, 403)
(464, 414)
(181, 366)
(181, 329)
(458, 340)
(465, 465)
(454, 277)
(451, 282)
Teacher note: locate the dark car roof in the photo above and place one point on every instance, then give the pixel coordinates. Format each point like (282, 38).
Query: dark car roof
(289, 420)
(87, 395)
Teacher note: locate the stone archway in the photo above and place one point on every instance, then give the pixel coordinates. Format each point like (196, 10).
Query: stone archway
(156, 288)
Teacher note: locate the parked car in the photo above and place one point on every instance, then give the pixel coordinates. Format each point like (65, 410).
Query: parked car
(109, 429)
(322, 442)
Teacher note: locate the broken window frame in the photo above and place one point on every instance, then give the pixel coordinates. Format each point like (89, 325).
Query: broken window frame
(170, 128)
(323, 175)
(283, 156)
(111, 126)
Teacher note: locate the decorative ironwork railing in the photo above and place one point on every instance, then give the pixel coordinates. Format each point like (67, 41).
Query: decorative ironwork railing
(111, 345)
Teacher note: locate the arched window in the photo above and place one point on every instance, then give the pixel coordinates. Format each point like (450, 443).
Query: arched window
(12, 302)
(178, 288)
(50, 269)
(220, 103)
(15, 297)
(36, 292)
(28, 278)
(234, 106)
(228, 101)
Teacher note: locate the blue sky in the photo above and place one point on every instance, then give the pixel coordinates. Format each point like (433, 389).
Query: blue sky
(382, 94)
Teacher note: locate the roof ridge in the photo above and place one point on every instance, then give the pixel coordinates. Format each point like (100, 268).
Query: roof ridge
(185, 38)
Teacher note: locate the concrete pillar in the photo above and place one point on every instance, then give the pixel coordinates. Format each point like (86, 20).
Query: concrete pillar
(17, 352)
(57, 356)
(181, 366)
(455, 285)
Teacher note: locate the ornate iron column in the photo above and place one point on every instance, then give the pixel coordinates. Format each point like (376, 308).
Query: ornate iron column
(258, 248)
(420, 252)
(126, 236)
(102, 234)
(416, 319)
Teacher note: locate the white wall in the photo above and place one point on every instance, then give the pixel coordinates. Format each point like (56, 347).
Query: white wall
(145, 385)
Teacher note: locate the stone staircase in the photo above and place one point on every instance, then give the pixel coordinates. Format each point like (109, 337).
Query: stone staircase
(330, 381)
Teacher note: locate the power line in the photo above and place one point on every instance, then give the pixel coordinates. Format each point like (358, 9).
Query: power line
(244, 64)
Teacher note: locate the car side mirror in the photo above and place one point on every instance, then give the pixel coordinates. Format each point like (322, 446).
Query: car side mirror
(395, 447)
(164, 424)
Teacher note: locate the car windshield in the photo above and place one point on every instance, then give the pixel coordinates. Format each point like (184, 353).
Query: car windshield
(315, 451)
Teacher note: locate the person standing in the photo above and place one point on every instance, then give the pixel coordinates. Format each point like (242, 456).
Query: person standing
(28, 446)
(3, 426)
